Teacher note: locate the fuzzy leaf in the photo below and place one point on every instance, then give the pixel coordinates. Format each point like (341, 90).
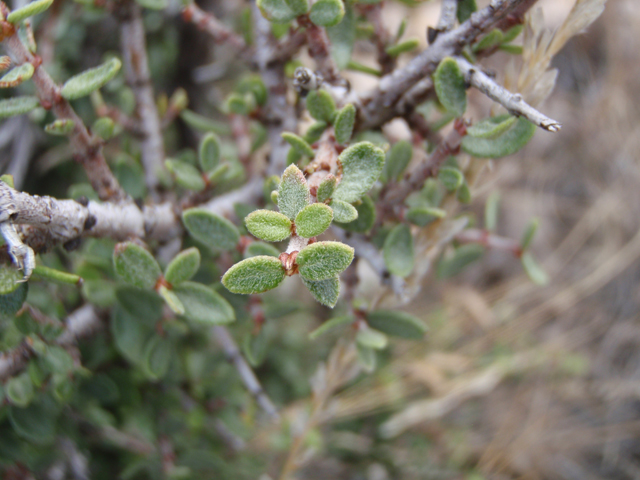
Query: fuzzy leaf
(254, 275)
(183, 266)
(298, 143)
(172, 300)
(451, 178)
(157, 357)
(343, 126)
(330, 325)
(299, 7)
(315, 131)
(17, 75)
(397, 159)
(321, 105)
(397, 324)
(28, 10)
(450, 86)
(465, 9)
(342, 38)
(211, 229)
(313, 220)
(203, 305)
(209, 152)
(402, 47)
(398, 250)
(293, 193)
(261, 248)
(463, 256)
(324, 260)
(370, 338)
(366, 217)
(362, 164)
(535, 273)
(277, 11)
(187, 175)
(17, 106)
(422, 216)
(326, 13)
(491, 127)
(343, 212)
(529, 233)
(509, 142)
(491, 209)
(88, 81)
(326, 188)
(268, 225)
(324, 291)
(136, 265)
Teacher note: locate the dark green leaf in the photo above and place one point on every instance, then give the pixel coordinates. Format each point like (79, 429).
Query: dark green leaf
(187, 175)
(254, 275)
(491, 127)
(211, 229)
(135, 265)
(157, 357)
(326, 188)
(268, 225)
(183, 266)
(209, 152)
(13, 292)
(397, 324)
(491, 39)
(397, 159)
(402, 47)
(509, 142)
(35, 423)
(465, 9)
(362, 164)
(512, 33)
(203, 305)
(398, 250)
(324, 291)
(315, 131)
(342, 37)
(326, 13)
(293, 193)
(324, 260)
(366, 217)
(255, 347)
(313, 220)
(143, 305)
(321, 105)
(19, 390)
(450, 86)
(422, 216)
(129, 335)
(88, 81)
(343, 126)
(451, 177)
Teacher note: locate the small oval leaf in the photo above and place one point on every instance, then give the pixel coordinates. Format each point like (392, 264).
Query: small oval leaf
(186, 175)
(362, 164)
(135, 265)
(261, 248)
(211, 229)
(331, 324)
(209, 152)
(183, 266)
(423, 216)
(268, 225)
(254, 275)
(324, 260)
(277, 11)
(157, 357)
(324, 291)
(343, 212)
(397, 159)
(451, 178)
(450, 86)
(397, 324)
(88, 81)
(370, 338)
(321, 105)
(203, 305)
(293, 192)
(398, 250)
(11, 107)
(298, 143)
(313, 220)
(535, 273)
(326, 188)
(28, 10)
(463, 256)
(326, 13)
(509, 142)
(491, 127)
(366, 217)
(343, 126)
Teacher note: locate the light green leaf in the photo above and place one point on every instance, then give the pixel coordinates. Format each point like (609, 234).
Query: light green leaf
(422, 216)
(529, 233)
(509, 142)
(331, 324)
(324, 291)
(403, 47)
(321, 105)
(153, 4)
(465, 9)
(277, 11)
(343, 126)
(254, 85)
(17, 75)
(343, 212)
(491, 127)
(254, 275)
(298, 143)
(200, 122)
(450, 86)
(28, 10)
(261, 248)
(491, 39)
(397, 324)
(370, 338)
(366, 217)
(268, 225)
(366, 357)
(326, 13)
(398, 250)
(324, 260)
(57, 276)
(313, 220)
(172, 300)
(342, 37)
(183, 266)
(217, 173)
(315, 131)
(512, 33)
(293, 193)
(157, 357)
(11, 107)
(211, 229)
(299, 7)
(362, 164)
(535, 273)
(209, 152)
(326, 188)
(135, 265)
(19, 390)
(88, 81)
(397, 159)
(491, 209)
(451, 178)
(462, 257)
(104, 128)
(203, 305)
(464, 193)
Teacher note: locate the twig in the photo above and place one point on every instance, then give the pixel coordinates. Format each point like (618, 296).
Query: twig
(208, 23)
(136, 70)
(88, 149)
(447, 19)
(232, 352)
(320, 50)
(289, 46)
(513, 102)
(489, 240)
(382, 37)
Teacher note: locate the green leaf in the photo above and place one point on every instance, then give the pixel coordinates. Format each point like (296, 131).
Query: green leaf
(293, 193)
(157, 357)
(397, 159)
(491, 209)
(8, 179)
(507, 143)
(366, 357)
(299, 7)
(362, 164)
(183, 266)
(315, 131)
(13, 292)
(366, 217)
(86, 82)
(465, 9)
(512, 49)
(326, 188)
(529, 233)
(217, 173)
(451, 178)
(343, 212)
(402, 47)
(11, 107)
(268, 225)
(19, 390)
(491, 127)
(57, 276)
(28, 10)
(326, 13)
(203, 305)
(512, 33)
(17, 75)
(313, 220)
(324, 260)
(398, 250)
(535, 273)
(254, 85)
(321, 105)
(104, 128)
(422, 216)
(343, 126)
(464, 193)
(450, 86)
(211, 229)
(324, 291)
(277, 11)
(187, 175)
(342, 38)
(330, 325)
(254, 275)
(172, 300)
(370, 338)
(298, 143)
(397, 324)
(153, 4)
(35, 423)
(462, 257)
(129, 334)
(135, 265)
(209, 152)
(261, 248)
(491, 39)
(200, 122)
(255, 347)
